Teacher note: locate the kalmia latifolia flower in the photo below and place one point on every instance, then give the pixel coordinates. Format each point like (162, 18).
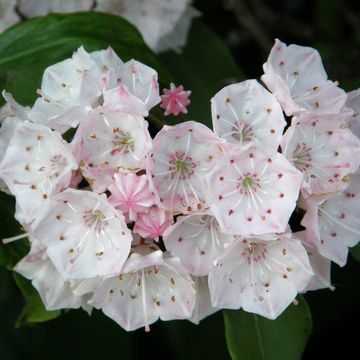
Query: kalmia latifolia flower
(181, 158)
(193, 220)
(247, 113)
(175, 100)
(253, 191)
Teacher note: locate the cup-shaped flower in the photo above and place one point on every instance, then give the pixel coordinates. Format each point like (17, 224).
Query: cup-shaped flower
(325, 158)
(296, 76)
(37, 164)
(332, 222)
(247, 112)
(110, 141)
(151, 286)
(84, 235)
(200, 236)
(182, 156)
(260, 274)
(253, 191)
(69, 90)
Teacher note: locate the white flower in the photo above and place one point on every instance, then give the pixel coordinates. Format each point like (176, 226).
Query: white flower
(84, 235)
(260, 274)
(36, 165)
(151, 286)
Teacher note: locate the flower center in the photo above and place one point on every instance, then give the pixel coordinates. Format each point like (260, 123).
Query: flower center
(247, 181)
(243, 132)
(58, 163)
(95, 219)
(302, 158)
(123, 141)
(181, 165)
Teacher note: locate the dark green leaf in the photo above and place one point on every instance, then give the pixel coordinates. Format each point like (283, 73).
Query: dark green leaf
(34, 310)
(204, 67)
(355, 252)
(28, 48)
(252, 337)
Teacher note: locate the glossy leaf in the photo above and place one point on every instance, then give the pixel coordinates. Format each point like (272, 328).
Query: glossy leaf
(252, 337)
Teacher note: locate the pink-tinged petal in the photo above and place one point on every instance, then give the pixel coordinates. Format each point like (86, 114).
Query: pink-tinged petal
(131, 194)
(321, 266)
(110, 141)
(247, 112)
(353, 102)
(325, 158)
(332, 222)
(296, 76)
(151, 287)
(262, 277)
(200, 236)
(54, 291)
(182, 156)
(175, 100)
(37, 164)
(203, 306)
(153, 223)
(324, 123)
(85, 236)
(120, 97)
(33, 8)
(142, 81)
(253, 192)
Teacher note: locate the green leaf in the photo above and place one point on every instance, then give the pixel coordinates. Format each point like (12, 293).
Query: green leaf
(204, 67)
(34, 310)
(28, 48)
(252, 337)
(355, 252)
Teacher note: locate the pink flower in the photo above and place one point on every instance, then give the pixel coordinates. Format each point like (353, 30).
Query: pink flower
(260, 274)
(247, 112)
(353, 102)
(252, 191)
(296, 76)
(131, 194)
(153, 223)
(175, 100)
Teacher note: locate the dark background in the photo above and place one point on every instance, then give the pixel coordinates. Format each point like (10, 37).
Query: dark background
(248, 28)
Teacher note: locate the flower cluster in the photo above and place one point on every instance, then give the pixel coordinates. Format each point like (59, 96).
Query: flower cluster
(164, 24)
(193, 220)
